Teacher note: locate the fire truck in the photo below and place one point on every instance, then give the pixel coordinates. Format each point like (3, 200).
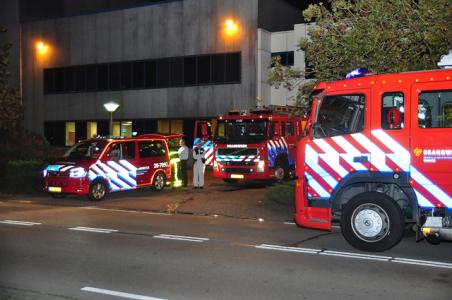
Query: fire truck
(376, 155)
(258, 144)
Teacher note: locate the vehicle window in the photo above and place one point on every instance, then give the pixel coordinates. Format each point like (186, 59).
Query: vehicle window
(114, 152)
(241, 131)
(392, 111)
(339, 114)
(128, 150)
(83, 150)
(283, 128)
(435, 109)
(151, 149)
(290, 129)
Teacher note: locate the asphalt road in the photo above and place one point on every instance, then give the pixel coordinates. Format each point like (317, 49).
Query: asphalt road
(67, 252)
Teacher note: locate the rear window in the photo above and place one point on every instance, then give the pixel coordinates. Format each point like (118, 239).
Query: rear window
(151, 149)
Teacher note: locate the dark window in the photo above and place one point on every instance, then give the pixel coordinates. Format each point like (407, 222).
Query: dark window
(80, 78)
(138, 74)
(392, 111)
(435, 109)
(163, 73)
(91, 78)
(287, 58)
(102, 77)
(59, 80)
(49, 81)
(290, 129)
(69, 79)
(218, 68)
(151, 149)
(151, 74)
(233, 67)
(283, 128)
(340, 114)
(126, 75)
(177, 71)
(189, 70)
(128, 150)
(115, 76)
(203, 69)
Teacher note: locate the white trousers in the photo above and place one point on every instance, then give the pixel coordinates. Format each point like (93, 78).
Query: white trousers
(198, 174)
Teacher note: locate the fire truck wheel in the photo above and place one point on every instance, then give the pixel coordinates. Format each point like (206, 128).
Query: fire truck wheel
(97, 190)
(281, 170)
(58, 195)
(372, 222)
(159, 182)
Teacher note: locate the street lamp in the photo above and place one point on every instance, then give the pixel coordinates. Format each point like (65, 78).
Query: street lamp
(111, 107)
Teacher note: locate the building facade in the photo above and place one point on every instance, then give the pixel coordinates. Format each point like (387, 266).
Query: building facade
(166, 63)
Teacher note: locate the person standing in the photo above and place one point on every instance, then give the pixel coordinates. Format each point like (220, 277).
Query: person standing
(198, 167)
(183, 156)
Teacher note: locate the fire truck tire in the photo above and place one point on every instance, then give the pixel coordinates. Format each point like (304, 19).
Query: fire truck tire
(97, 190)
(230, 181)
(281, 170)
(58, 195)
(159, 182)
(372, 222)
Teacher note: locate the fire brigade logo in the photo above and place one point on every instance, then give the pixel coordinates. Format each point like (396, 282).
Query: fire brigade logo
(417, 151)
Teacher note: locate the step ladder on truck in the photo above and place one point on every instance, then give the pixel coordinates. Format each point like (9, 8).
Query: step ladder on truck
(377, 155)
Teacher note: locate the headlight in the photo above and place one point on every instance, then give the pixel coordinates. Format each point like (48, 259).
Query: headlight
(44, 173)
(261, 166)
(77, 172)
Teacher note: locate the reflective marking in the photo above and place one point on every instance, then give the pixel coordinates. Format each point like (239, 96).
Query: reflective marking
(431, 187)
(313, 163)
(331, 157)
(128, 211)
(288, 249)
(356, 255)
(23, 223)
(117, 294)
(422, 201)
(181, 238)
(318, 188)
(377, 156)
(66, 168)
(289, 223)
(401, 156)
(90, 229)
(351, 152)
(426, 263)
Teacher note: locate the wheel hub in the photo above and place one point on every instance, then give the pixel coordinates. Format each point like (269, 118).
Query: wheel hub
(370, 222)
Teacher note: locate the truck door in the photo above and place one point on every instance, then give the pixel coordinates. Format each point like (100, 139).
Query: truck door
(330, 153)
(431, 143)
(152, 156)
(203, 139)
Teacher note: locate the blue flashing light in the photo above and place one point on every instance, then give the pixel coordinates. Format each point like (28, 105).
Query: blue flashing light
(358, 72)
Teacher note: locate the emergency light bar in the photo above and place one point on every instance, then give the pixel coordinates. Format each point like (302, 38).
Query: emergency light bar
(358, 72)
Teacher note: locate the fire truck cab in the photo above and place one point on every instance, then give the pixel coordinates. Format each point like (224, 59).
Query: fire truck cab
(377, 155)
(255, 145)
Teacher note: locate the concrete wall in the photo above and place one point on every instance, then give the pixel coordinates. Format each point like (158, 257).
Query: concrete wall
(178, 28)
(268, 43)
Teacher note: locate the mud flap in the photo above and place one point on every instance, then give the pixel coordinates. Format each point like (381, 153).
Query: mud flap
(314, 217)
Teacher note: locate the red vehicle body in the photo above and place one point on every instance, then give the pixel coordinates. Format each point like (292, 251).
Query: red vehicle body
(255, 146)
(97, 166)
(376, 155)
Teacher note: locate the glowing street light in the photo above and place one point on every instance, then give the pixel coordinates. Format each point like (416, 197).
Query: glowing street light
(111, 107)
(41, 47)
(231, 27)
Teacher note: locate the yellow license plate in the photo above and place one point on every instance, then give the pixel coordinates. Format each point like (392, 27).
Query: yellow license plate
(237, 176)
(54, 189)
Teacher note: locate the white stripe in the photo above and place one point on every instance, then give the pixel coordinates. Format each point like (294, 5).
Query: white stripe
(118, 294)
(331, 157)
(318, 188)
(66, 168)
(312, 161)
(377, 156)
(128, 165)
(24, 223)
(357, 255)
(423, 262)
(431, 187)
(401, 156)
(113, 174)
(353, 256)
(422, 201)
(90, 229)
(288, 249)
(351, 152)
(289, 223)
(180, 238)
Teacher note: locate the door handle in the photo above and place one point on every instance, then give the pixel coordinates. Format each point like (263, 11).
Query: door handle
(360, 159)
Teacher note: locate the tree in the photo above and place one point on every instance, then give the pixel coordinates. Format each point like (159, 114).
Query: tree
(384, 36)
(11, 108)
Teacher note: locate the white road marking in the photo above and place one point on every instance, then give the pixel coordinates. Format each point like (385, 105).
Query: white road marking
(23, 223)
(289, 223)
(90, 229)
(425, 263)
(117, 294)
(181, 238)
(288, 249)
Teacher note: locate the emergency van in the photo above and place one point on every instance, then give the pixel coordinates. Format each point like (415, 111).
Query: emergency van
(377, 155)
(255, 145)
(97, 166)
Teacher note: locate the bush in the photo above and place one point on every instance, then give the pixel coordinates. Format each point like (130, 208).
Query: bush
(282, 193)
(22, 176)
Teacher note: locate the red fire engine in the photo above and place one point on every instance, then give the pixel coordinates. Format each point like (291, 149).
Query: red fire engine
(255, 145)
(377, 155)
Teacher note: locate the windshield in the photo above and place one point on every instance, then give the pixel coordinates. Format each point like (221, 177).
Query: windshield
(241, 131)
(84, 150)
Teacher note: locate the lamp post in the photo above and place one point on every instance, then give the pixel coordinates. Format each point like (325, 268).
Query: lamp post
(111, 107)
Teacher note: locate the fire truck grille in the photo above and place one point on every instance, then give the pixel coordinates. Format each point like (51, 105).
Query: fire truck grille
(238, 171)
(240, 163)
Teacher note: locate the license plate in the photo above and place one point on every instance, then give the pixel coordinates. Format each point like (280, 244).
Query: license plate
(237, 176)
(53, 189)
